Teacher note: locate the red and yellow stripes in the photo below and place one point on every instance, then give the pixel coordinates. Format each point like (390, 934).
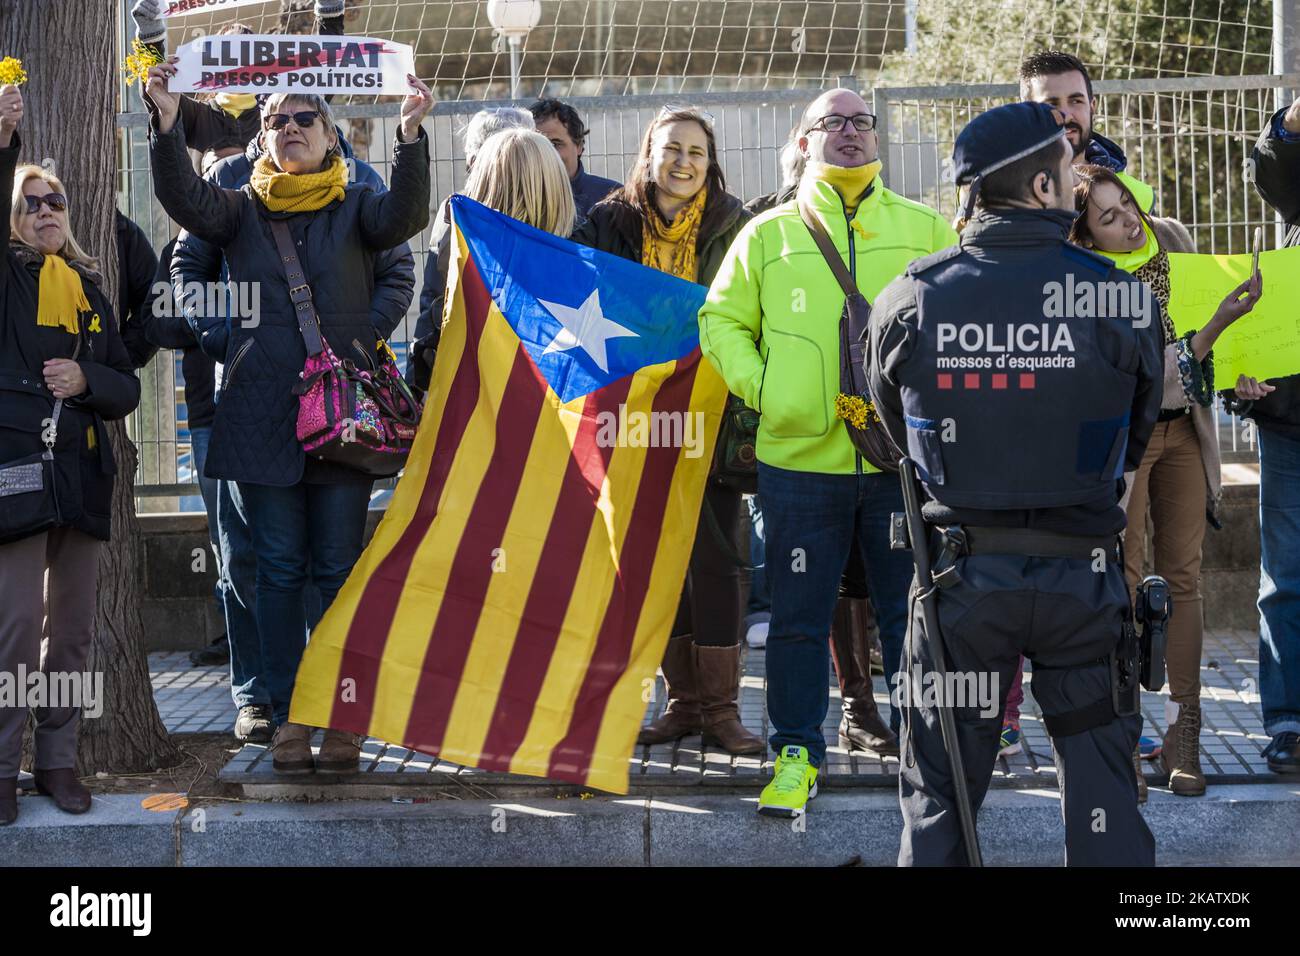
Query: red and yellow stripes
(518, 593)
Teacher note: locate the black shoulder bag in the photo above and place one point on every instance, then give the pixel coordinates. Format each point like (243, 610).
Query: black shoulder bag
(853, 405)
(29, 501)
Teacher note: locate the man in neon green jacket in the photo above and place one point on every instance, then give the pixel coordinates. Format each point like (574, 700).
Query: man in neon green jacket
(770, 326)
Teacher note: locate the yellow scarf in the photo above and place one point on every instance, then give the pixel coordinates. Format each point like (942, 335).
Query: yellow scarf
(236, 104)
(1132, 261)
(851, 182)
(60, 296)
(671, 247)
(298, 192)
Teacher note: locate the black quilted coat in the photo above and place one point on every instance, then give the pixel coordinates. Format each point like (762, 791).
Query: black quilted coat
(253, 437)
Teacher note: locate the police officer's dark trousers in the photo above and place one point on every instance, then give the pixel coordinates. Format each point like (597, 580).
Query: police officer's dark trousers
(1065, 615)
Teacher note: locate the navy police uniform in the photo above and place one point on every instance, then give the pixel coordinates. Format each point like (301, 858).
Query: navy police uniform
(1022, 407)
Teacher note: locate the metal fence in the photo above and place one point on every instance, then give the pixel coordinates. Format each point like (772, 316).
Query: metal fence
(1188, 137)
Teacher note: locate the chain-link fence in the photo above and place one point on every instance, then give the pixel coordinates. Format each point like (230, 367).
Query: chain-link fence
(608, 47)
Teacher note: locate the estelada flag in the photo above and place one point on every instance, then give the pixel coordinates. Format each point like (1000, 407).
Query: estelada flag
(516, 599)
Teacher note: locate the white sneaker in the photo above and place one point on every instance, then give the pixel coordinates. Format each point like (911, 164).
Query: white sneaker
(756, 636)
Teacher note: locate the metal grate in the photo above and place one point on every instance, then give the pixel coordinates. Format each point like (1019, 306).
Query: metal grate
(1232, 740)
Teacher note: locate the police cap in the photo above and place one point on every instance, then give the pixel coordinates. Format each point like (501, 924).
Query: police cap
(998, 138)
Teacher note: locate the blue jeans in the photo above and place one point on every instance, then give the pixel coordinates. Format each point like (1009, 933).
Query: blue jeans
(1279, 582)
(298, 532)
(760, 599)
(199, 439)
(239, 582)
(811, 519)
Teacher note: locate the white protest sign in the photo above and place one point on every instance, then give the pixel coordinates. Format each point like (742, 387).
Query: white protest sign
(280, 63)
(183, 8)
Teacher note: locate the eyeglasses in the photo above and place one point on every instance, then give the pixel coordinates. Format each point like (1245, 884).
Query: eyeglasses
(682, 108)
(56, 201)
(834, 122)
(278, 121)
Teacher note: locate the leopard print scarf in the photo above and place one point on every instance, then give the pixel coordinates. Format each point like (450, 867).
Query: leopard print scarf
(1155, 273)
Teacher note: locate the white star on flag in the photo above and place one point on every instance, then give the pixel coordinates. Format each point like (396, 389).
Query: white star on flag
(584, 328)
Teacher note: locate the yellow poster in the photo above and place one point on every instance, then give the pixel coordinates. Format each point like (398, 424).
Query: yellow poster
(1264, 343)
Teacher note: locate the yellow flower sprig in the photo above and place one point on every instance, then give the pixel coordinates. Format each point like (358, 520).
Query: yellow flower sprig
(138, 63)
(855, 410)
(12, 72)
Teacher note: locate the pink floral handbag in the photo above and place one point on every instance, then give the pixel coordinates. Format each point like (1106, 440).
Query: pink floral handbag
(365, 418)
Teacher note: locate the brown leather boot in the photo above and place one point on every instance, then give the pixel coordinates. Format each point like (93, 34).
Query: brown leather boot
(8, 800)
(339, 752)
(291, 749)
(681, 715)
(64, 788)
(1141, 777)
(861, 727)
(1182, 751)
(717, 670)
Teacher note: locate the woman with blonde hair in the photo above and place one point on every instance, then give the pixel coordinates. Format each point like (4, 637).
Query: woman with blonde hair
(63, 372)
(482, 126)
(517, 172)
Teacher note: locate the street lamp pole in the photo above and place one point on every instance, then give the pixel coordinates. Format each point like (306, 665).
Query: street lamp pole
(514, 19)
(516, 50)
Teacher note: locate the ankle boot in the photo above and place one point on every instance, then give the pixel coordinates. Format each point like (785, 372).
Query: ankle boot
(339, 752)
(861, 727)
(681, 715)
(1182, 750)
(1141, 777)
(8, 800)
(64, 788)
(291, 749)
(717, 670)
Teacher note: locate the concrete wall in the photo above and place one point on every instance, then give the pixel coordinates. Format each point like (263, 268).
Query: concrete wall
(177, 572)
(177, 575)
(1230, 562)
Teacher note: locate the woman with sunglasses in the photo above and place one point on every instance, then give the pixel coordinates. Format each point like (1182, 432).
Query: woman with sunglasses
(63, 372)
(675, 214)
(1178, 481)
(303, 512)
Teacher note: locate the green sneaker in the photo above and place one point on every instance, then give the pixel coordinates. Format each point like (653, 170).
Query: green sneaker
(793, 786)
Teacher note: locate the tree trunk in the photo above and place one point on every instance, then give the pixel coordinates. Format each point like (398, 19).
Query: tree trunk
(69, 51)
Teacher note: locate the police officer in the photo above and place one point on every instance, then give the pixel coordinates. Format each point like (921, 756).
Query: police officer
(1022, 407)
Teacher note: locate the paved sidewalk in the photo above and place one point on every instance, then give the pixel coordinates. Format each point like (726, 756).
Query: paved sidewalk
(198, 700)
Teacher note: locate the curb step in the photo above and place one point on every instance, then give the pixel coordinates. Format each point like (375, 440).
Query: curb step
(1232, 825)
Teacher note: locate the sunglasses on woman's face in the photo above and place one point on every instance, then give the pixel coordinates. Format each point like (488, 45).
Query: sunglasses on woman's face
(277, 121)
(56, 201)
